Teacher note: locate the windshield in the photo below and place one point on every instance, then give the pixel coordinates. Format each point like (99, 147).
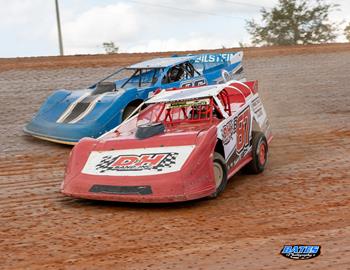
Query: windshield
(142, 77)
(131, 77)
(177, 112)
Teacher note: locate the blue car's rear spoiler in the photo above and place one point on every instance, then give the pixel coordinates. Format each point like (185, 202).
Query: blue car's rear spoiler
(230, 57)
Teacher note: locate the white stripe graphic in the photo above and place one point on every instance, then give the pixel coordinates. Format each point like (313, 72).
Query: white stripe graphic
(88, 110)
(70, 108)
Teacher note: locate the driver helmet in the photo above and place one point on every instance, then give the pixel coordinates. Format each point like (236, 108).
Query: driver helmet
(174, 73)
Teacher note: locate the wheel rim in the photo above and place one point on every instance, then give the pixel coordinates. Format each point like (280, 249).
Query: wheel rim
(262, 154)
(218, 173)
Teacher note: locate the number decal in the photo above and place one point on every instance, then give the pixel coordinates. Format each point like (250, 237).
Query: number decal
(243, 130)
(186, 84)
(198, 82)
(235, 136)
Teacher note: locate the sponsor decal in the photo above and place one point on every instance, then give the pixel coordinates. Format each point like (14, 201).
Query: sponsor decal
(193, 83)
(301, 252)
(257, 107)
(239, 125)
(215, 58)
(228, 130)
(188, 103)
(137, 162)
(261, 117)
(243, 130)
(235, 135)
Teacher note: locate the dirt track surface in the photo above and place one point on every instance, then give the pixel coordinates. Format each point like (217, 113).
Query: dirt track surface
(301, 198)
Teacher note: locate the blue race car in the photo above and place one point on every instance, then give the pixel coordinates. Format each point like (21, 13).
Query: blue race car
(67, 116)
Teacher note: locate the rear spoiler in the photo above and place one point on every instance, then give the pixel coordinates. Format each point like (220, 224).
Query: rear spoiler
(249, 87)
(231, 57)
(253, 85)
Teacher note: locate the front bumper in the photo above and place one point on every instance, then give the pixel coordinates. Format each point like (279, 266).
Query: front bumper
(167, 188)
(142, 198)
(60, 133)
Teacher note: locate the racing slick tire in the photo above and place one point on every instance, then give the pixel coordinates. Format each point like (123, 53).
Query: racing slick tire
(220, 173)
(259, 152)
(127, 111)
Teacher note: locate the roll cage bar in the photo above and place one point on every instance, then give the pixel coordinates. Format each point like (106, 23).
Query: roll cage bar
(185, 67)
(222, 108)
(218, 106)
(196, 114)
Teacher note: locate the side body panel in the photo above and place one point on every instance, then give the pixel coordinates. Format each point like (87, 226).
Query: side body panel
(260, 116)
(235, 134)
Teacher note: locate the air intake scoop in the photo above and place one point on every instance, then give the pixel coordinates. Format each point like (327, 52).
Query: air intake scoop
(148, 130)
(104, 87)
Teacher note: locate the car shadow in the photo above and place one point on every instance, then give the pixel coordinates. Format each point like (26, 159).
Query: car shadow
(137, 205)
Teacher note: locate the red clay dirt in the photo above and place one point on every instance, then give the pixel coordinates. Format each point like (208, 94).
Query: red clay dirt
(301, 198)
(123, 59)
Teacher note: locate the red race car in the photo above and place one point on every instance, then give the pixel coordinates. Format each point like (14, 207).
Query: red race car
(184, 145)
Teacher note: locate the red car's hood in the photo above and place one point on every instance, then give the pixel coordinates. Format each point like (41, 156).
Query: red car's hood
(184, 134)
(124, 155)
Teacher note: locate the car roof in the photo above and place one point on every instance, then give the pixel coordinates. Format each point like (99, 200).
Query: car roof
(187, 93)
(162, 62)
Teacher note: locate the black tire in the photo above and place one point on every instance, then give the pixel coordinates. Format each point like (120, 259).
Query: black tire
(258, 163)
(127, 111)
(218, 160)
